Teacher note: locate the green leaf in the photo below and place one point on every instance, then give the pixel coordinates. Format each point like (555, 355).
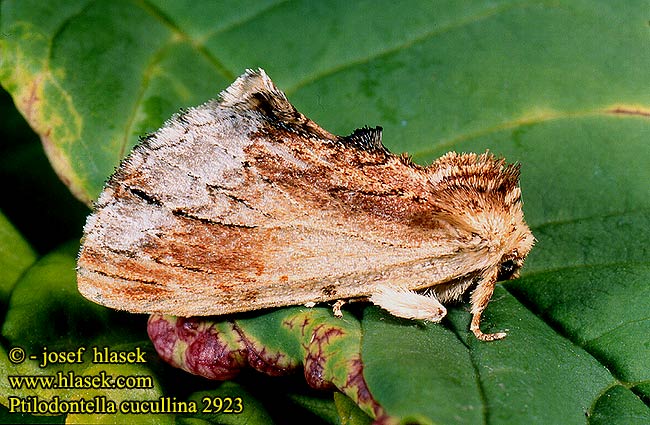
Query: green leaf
(276, 343)
(557, 86)
(46, 295)
(515, 374)
(15, 257)
(406, 362)
(48, 317)
(619, 406)
(229, 404)
(130, 402)
(348, 412)
(324, 407)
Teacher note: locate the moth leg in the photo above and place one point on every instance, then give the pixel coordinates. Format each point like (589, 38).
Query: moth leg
(405, 303)
(336, 308)
(480, 299)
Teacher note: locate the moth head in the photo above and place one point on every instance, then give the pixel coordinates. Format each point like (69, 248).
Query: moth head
(480, 195)
(512, 261)
(515, 245)
(509, 269)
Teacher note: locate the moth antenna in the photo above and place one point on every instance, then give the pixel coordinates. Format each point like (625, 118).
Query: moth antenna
(404, 303)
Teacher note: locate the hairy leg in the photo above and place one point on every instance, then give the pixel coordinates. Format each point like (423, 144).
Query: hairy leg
(480, 299)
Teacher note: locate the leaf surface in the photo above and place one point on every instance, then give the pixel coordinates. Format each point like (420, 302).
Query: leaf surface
(558, 86)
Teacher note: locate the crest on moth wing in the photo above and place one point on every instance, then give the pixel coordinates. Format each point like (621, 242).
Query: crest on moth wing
(244, 203)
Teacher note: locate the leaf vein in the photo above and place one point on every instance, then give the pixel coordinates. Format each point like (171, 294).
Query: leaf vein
(396, 48)
(584, 266)
(244, 20)
(196, 45)
(591, 217)
(615, 328)
(516, 123)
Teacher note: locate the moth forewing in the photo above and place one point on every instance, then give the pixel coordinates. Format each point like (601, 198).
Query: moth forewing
(244, 203)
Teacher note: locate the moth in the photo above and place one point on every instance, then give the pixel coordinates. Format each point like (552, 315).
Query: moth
(244, 203)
